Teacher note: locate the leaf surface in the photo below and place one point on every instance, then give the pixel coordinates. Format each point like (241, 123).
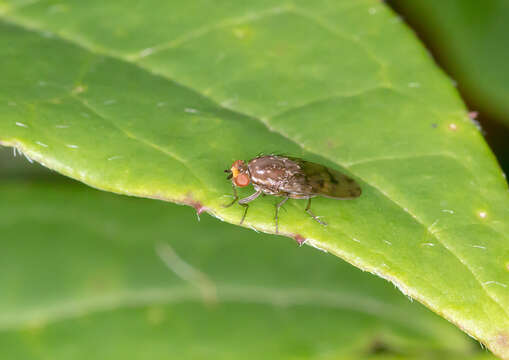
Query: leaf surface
(157, 101)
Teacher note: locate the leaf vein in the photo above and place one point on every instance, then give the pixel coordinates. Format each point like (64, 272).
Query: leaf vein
(142, 141)
(202, 31)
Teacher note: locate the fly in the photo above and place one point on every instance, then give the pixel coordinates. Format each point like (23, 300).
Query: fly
(289, 178)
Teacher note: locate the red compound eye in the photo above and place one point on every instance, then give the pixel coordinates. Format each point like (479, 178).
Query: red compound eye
(241, 180)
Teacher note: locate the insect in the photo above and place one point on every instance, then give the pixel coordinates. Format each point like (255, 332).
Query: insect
(289, 178)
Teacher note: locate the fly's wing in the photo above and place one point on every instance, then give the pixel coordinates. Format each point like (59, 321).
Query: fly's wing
(328, 182)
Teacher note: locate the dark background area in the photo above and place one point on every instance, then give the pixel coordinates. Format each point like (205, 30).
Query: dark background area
(469, 40)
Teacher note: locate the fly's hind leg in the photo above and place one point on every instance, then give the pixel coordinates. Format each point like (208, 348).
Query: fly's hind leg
(308, 210)
(278, 205)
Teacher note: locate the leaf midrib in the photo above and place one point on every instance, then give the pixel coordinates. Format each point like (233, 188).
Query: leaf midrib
(33, 27)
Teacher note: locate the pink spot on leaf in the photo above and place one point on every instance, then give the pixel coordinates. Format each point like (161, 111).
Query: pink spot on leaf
(501, 343)
(198, 206)
(473, 115)
(300, 239)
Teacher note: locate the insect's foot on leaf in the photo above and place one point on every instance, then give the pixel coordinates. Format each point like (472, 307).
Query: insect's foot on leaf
(321, 222)
(231, 203)
(316, 218)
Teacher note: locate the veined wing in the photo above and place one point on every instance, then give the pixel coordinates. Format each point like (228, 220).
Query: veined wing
(328, 182)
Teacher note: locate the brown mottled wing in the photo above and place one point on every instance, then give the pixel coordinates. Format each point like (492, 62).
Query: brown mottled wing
(328, 182)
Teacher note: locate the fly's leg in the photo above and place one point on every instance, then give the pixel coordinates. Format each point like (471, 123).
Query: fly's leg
(235, 197)
(308, 210)
(278, 205)
(243, 202)
(246, 206)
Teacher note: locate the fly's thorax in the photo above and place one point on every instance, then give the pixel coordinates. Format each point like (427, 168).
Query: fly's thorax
(273, 173)
(266, 171)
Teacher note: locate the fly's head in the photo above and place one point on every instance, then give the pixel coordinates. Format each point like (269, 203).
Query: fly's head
(239, 174)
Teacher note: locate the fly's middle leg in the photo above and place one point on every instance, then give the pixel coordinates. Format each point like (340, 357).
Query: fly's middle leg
(308, 210)
(278, 205)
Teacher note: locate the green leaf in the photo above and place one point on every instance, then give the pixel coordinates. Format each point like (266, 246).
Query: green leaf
(157, 101)
(471, 40)
(92, 275)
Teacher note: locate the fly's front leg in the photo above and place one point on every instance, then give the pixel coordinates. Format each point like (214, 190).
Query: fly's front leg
(235, 197)
(308, 210)
(243, 202)
(278, 205)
